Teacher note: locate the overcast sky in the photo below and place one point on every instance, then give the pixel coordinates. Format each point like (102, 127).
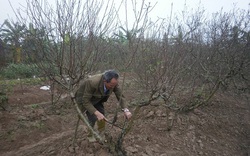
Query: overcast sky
(162, 8)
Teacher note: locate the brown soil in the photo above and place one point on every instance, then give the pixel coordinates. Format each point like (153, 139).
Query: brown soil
(34, 126)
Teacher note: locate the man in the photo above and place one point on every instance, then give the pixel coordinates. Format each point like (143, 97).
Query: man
(96, 90)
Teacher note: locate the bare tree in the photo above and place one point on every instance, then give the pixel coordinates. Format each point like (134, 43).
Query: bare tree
(187, 64)
(69, 41)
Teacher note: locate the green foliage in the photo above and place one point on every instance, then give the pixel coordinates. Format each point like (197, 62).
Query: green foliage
(34, 106)
(3, 100)
(3, 97)
(14, 71)
(6, 86)
(39, 125)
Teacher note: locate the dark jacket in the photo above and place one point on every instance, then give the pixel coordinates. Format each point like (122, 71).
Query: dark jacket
(91, 92)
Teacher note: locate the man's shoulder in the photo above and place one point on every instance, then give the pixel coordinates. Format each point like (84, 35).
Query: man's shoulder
(94, 79)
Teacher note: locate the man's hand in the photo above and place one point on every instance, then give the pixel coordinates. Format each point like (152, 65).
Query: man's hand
(99, 116)
(127, 113)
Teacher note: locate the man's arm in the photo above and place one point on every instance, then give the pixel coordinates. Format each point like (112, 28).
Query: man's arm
(120, 97)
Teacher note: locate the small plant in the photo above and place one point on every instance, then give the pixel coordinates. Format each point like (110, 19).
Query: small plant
(34, 106)
(39, 124)
(3, 97)
(11, 135)
(3, 101)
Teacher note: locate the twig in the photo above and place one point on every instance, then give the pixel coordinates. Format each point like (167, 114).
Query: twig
(113, 124)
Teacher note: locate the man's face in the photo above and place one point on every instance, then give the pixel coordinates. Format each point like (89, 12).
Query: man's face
(111, 84)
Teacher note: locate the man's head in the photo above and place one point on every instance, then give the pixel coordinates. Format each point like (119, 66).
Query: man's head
(110, 79)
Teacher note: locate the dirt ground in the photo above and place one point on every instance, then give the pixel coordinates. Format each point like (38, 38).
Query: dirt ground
(33, 126)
